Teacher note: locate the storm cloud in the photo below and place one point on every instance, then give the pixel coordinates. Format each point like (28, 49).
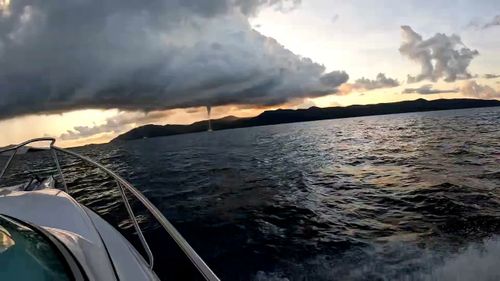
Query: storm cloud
(151, 55)
(440, 56)
(428, 90)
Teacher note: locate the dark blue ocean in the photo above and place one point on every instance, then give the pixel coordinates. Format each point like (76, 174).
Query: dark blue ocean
(395, 197)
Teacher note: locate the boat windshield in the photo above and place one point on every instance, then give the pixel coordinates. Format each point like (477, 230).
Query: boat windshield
(26, 254)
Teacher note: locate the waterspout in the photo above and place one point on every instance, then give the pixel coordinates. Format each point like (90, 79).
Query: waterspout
(209, 109)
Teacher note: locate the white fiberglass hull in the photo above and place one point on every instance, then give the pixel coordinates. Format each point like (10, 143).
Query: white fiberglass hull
(101, 250)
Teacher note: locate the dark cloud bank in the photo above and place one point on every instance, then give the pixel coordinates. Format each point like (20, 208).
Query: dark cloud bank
(147, 55)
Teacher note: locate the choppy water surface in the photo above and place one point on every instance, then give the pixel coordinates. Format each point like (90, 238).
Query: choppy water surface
(396, 197)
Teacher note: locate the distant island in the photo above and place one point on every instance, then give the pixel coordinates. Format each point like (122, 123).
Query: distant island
(300, 115)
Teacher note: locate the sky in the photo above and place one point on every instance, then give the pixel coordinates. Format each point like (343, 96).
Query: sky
(84, 71)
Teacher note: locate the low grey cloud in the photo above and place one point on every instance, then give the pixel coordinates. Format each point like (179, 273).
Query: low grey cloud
(491, 76)
(335, 18)
(428, 90)
(440, 56)
(482, 24)
(334, 78)
(381, 81)
(495, 21)
(473, 89)
(116, 124)
(151, 55)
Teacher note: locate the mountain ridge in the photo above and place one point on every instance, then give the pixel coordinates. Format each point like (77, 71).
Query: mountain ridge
(281, 116)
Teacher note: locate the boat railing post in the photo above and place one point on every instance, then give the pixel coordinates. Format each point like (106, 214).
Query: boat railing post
(59, 170)
(6, 166)
(16, 148)
(136, 225)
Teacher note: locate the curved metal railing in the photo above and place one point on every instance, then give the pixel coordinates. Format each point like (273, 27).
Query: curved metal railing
(122, 185)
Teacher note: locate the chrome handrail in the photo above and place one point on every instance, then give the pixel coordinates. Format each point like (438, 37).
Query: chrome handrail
(15, 148)
(122, 184)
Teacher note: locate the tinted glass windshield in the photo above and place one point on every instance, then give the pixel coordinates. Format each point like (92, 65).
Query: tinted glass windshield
(25, 254)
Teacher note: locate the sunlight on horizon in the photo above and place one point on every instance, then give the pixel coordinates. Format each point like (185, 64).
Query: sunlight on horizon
(54, 125)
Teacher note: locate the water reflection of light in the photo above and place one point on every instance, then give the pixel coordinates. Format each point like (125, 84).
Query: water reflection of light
(6, 240)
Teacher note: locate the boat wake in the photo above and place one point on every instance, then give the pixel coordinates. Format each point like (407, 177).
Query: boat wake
(479, 261)
(398, 261)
